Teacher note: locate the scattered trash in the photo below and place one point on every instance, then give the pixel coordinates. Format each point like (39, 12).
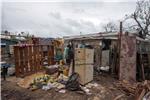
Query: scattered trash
(62, 91)
(90, 85)
(73, 82)
(86, 90)
(95, 85)
(62, 78)
(11, 70)
(46, 87)
(106, 68)
(51, 69)
(59, 85)
(52, 66)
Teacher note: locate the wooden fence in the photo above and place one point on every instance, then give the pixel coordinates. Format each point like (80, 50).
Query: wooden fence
(30, 58)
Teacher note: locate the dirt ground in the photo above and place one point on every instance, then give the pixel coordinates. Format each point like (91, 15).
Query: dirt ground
(106, 90)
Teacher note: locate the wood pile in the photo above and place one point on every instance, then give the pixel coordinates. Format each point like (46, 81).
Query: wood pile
(127, 87)
(139, 89)
(142, 90)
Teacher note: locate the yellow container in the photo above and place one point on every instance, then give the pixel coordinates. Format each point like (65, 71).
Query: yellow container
(65, 72)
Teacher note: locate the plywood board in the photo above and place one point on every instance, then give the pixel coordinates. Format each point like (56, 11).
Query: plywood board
(84, 56)
(105, 58)
(85, 72)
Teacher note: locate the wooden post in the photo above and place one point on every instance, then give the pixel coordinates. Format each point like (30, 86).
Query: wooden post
(26, 59)
(30, 59)
(21, 60)
(49, 54)
(38, 58)
(16, 54)
(35, 62)
(33, 57)
(119, 48)
(52, 54)
(141, 64)
(41, 53)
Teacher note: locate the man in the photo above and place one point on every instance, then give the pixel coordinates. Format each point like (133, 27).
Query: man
(68, 54)
(59, 55)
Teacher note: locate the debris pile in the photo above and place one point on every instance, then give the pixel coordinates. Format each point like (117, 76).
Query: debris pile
(139, 90)
(126, 86)
(47, 82)
(43, 81)
(26, 81)
(143, 91)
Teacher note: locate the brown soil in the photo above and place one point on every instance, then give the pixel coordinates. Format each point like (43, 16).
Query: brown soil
(105, 91)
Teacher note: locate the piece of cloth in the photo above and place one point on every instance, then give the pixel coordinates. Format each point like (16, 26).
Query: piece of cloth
(66, 50)
(59, 55)
(68, 55)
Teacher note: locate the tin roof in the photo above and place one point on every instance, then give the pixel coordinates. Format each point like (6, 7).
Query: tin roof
(93, 36)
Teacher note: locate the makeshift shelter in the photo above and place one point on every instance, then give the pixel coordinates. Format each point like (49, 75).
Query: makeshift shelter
(118, 55)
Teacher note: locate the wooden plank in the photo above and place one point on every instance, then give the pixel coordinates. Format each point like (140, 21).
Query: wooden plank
(30, 58)
(32, 64)
(119, 97)
(16, 56)
(41, 56)
(49, 54)
(142, 68)
(35, 58)
(26, 59)
(141, 95)
(38, 58)
(21, 60)
(52, 55)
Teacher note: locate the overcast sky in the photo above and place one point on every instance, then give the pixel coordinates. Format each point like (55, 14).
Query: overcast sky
(69, 17)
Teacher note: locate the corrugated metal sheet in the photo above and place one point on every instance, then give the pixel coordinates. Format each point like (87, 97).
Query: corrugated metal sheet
(93, 36)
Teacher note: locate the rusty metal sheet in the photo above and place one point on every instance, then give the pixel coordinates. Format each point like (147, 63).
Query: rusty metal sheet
(127, 69)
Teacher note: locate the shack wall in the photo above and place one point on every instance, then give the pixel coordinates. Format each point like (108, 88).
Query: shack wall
(127, 69)
(96, 45)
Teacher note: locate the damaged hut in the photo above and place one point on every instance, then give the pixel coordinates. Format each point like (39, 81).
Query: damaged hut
(127, 56)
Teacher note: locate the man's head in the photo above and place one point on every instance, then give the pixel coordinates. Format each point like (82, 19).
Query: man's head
(68, 45)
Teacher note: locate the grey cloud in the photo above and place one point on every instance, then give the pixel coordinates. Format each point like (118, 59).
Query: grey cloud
(53, 19)
(55, 15)
(79, 11)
